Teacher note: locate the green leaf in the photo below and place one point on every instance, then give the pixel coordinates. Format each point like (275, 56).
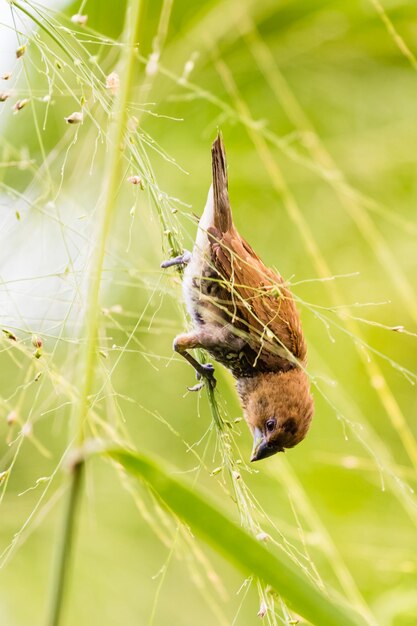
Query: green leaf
(226, 536)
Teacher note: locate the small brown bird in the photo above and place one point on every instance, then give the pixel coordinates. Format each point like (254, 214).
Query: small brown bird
(244, 315)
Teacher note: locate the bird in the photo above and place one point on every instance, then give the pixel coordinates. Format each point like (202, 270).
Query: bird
(244, 315)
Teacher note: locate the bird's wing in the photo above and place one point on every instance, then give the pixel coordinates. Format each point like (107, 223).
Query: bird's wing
(260, 303)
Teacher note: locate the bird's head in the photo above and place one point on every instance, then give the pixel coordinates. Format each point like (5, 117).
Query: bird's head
(278, 409)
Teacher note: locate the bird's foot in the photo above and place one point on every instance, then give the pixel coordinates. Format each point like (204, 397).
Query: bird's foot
(182, 259)
(206, 372)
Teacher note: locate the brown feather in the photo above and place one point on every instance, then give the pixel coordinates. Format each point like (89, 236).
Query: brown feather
(222, 212)
(259, 301)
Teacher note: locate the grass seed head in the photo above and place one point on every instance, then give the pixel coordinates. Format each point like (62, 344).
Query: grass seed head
(79, 19)
(74, 118)
(113, 83)
(136, 180)
(262, 609)
(19, 105)
(9, 334)
(12, 418)
(37, 341)
(20, 51)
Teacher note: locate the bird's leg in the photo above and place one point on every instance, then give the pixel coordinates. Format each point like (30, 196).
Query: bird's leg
(182, 259)
(189, 341)
(211, 338)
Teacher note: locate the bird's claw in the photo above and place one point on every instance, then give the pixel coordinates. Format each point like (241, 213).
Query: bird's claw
(207, 372)
(182, 259)
(196, 387)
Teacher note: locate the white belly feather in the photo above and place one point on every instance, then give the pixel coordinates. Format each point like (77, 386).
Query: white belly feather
(199, 260)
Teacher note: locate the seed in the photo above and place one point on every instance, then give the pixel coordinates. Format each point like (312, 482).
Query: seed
(113, 83)
(136, 180)
(20, 51)
(74, 118)
(27, 429)
(262, 610)
(11, 418)
(77, 18)
(4, 475)
(37, 341)
(19, 105)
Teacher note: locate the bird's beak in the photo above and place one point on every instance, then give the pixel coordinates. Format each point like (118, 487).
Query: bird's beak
(261, 449)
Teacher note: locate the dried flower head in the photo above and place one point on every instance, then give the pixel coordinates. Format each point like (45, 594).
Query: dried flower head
(19, 105)
(79, 19)
(9, 334)
(11, 418)
(37, 341)
(262, 609)
(74, 118)
(20, 51)
(27, 429)
(113, 83)
(136, 180)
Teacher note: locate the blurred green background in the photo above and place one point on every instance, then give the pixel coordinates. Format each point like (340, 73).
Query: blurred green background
(316, 102)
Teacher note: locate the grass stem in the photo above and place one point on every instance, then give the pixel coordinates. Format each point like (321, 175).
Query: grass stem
(65, 546)
(88, 356)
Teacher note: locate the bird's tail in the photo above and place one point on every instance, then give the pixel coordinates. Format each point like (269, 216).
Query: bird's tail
(222, 211)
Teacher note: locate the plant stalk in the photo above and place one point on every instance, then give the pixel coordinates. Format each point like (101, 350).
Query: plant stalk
(88, 356)
(65, 545)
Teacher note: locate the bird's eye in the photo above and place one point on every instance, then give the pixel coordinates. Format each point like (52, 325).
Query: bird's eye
(270, 425)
